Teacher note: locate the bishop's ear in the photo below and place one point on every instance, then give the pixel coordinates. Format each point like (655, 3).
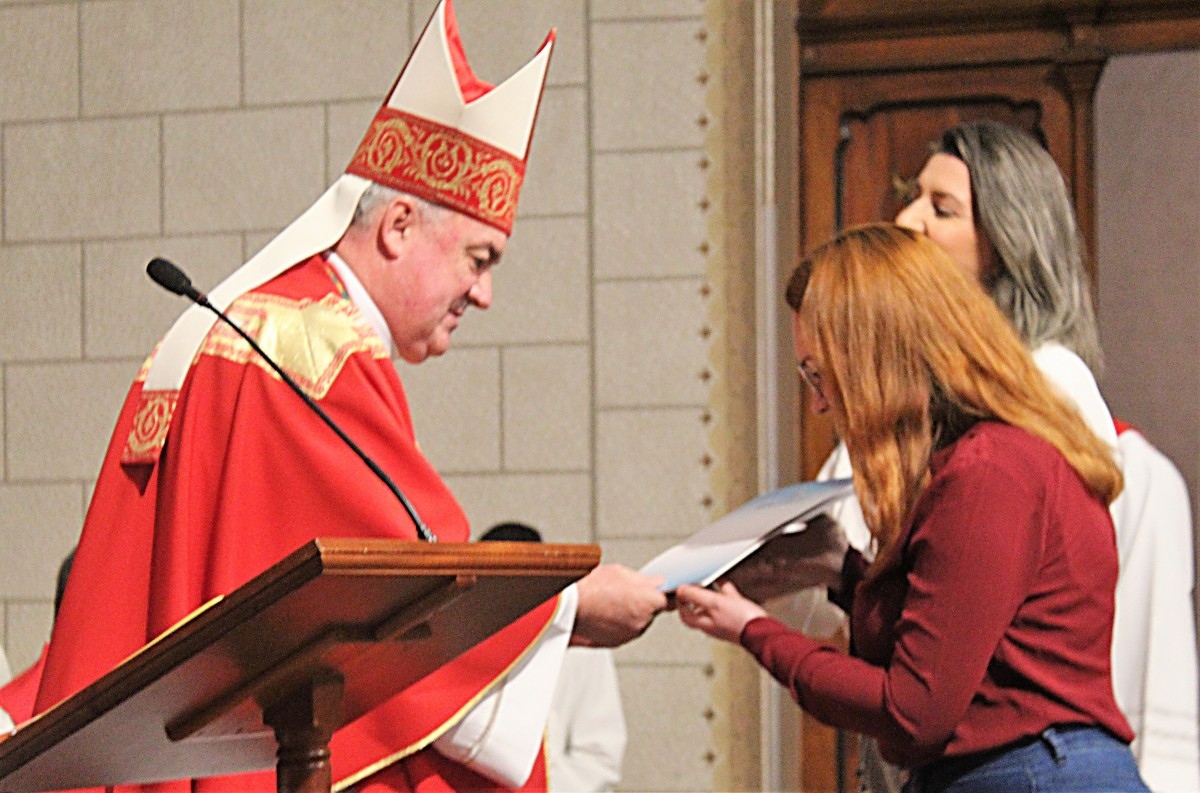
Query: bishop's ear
(397, 223)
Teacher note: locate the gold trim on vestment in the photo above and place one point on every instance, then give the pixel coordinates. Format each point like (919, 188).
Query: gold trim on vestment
(311, 340)
(150, 424)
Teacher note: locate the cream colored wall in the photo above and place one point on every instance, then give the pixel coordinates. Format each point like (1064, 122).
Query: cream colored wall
(195, 130)
(1148, 209)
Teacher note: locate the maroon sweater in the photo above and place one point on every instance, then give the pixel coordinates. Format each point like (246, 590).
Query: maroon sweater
(994, 623)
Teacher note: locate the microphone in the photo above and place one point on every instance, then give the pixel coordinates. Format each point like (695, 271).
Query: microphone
(168, 275)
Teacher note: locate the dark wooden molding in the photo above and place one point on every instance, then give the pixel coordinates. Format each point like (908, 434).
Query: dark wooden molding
(890, 35)
(825, 20)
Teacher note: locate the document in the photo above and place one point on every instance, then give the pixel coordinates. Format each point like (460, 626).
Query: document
(714, 550)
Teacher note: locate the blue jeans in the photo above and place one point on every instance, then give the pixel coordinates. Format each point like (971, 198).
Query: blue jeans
(1072, 758)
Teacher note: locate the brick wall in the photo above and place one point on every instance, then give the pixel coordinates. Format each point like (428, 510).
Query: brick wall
(198, 129)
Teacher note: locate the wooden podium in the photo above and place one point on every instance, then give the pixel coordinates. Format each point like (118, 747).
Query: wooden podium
(262, 677)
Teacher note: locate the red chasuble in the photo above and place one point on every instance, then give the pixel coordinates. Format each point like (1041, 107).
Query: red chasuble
(18, 694)
(247, 474)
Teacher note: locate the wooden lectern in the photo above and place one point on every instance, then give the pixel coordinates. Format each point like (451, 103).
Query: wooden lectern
(262, 677)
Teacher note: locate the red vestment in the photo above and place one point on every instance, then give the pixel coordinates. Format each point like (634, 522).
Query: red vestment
(248, 474)
(18, 694)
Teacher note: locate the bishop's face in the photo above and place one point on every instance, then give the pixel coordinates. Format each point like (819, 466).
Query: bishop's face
(445, 268)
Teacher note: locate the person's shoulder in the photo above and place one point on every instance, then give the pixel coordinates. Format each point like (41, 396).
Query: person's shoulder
(308, 278)
(991, 464)
(1139, 457)
(1067, 372)
(1053, 358)
(990, 437)
(304, 321)
(992, 446)
(306, 299)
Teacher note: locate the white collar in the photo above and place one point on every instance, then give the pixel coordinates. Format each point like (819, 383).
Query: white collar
(362, 300)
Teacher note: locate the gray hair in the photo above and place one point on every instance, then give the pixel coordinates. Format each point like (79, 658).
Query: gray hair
(1021, 204)
(377, 195)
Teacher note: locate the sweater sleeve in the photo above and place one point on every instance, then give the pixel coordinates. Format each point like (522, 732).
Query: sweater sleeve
(972, 553)
(838, 689)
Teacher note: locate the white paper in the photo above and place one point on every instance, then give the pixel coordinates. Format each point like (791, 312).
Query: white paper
(710, 552)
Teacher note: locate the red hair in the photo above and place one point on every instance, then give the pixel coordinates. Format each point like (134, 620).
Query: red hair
(912, 352)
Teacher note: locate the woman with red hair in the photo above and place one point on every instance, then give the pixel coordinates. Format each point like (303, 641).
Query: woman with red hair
(981, 629)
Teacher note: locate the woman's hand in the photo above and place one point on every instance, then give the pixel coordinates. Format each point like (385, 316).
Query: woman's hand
(721, 614)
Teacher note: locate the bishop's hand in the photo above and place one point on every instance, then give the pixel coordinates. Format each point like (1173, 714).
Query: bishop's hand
(616, 605)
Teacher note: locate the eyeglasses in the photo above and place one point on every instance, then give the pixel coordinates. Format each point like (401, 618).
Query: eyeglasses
(811, 376)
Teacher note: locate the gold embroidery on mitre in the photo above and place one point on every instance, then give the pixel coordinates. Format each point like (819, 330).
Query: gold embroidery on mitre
(311, 340)
(150, 424)
(442, 164)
